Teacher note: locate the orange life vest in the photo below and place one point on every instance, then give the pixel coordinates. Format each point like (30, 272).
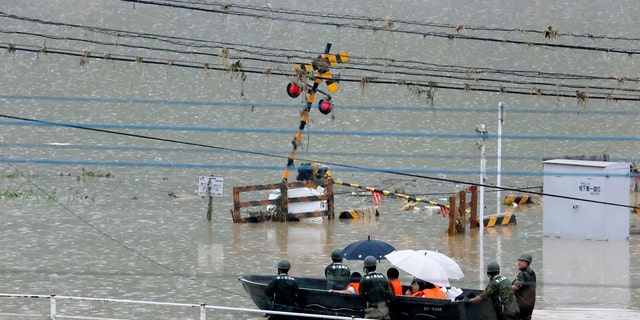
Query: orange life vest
(396, 286)
(434, 293)
(418, 294)
(355, 286)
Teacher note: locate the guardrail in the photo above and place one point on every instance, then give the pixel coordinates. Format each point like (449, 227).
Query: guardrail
(54, 299)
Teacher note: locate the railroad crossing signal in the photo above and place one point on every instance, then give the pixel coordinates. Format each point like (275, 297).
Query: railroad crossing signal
(318, 70)
(293, 90)
(321, 65)
(325, 106)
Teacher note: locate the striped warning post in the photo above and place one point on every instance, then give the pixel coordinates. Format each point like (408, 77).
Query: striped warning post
(355, 214)
(499, 220)
(349, 214)
(520, 200)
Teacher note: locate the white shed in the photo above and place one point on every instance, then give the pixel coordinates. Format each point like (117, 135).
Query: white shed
(586, 190)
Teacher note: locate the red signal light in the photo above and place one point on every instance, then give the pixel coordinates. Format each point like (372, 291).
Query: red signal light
(293, 90)
(325, 107)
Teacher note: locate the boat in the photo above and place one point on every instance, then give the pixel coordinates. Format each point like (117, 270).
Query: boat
(314, 298)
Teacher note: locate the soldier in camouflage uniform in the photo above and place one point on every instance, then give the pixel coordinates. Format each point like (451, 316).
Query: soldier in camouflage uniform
(283, 291)
(499, 290)
(338, 274)
(524, 287)
(376, 291)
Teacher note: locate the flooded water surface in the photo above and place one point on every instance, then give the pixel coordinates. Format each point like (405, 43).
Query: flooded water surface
(112, 110)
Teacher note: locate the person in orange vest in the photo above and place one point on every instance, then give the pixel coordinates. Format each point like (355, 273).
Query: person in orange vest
(354, 286)
(433, 291)
(423, 289)
(396, 285)
(414, 289)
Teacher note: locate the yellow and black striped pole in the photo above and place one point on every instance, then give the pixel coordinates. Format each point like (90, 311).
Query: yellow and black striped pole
(321, 65)
(304, 117)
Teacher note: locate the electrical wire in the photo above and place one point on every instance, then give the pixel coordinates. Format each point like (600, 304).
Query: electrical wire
(407, 173)
(50, 196)
(235, 104)
(238, 69)
(468, 74)
(263, 10)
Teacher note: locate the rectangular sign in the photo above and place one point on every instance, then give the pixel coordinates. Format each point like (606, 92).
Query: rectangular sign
(216, 184)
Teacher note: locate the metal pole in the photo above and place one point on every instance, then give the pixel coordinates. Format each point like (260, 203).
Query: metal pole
(203, 312)
(52, 313)
(483, 168)
(499, 165)
(482, 132)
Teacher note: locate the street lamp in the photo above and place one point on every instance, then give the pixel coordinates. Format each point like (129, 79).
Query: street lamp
(481, 130)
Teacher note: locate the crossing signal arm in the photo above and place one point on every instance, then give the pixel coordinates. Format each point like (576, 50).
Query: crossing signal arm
(318, 70)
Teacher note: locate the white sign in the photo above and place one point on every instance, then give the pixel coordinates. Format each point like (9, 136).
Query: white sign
(216, 184)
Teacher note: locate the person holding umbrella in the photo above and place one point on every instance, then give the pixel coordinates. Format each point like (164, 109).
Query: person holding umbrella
(376, 291)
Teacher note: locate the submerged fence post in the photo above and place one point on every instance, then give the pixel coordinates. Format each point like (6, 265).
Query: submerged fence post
(452, 216)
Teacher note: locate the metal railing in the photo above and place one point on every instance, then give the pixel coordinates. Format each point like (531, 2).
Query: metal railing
(54, 299)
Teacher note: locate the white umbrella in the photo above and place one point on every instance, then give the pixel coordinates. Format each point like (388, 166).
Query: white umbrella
(427, 265)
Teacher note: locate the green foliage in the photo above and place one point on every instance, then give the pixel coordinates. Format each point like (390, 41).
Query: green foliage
(38, 194)
(27, 194)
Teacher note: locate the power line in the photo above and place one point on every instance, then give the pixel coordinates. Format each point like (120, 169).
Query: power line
(236, 150)
(111, 238)
(386, 25)
(236, 104)
(472, 81)
(404, 134)
(332, 154)
(611, 94)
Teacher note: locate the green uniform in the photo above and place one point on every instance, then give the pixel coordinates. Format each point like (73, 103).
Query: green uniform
(526, 293)
(504, 301)
(338, 276)
(377, 293)
(283, 292)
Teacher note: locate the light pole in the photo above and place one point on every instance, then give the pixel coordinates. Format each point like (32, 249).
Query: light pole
(482, 134)
(499, 165)
(481, 130)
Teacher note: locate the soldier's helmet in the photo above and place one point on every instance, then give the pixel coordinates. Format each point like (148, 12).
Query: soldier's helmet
(526, 257)
(370, 261)
(284, 264)
(336, 255)
(493, 267)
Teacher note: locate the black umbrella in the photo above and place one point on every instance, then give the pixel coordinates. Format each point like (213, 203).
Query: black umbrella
(361, 249)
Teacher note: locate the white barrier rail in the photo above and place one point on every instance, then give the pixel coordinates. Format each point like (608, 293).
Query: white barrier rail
(53, 315)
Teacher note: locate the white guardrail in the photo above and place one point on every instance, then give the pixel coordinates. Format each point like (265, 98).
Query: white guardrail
(53, 314)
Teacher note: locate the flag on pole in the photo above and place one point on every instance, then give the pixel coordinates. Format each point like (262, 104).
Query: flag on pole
(377, 196)
(445, 211)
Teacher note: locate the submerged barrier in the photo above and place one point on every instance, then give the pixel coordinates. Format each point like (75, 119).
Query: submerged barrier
(499, 220)
(457, 208)
(520, 200)
(282, 202)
